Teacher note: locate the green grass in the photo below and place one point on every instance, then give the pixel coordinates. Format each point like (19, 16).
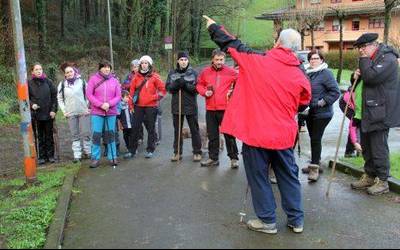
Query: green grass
(394, 161)
(255, 33)
(26, 213)
(346, 74)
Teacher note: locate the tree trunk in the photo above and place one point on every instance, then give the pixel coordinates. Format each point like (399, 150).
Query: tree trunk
(62, 20)
(87, 13)
(116, 9)
(312, 37)
(41, 24)
(388, 21)
(339, 74)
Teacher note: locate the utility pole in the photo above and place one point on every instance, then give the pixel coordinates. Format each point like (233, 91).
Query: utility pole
(23, 94)
(110, 34)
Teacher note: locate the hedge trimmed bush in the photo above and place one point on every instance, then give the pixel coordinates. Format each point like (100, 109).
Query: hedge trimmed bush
(350, 59)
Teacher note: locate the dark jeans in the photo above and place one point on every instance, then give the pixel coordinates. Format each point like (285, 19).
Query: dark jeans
(146, 116)
(193, 123)
(316, 129)
(128, 134)
(214, 120)
(376, 154)
(43, 131)
(256, 162)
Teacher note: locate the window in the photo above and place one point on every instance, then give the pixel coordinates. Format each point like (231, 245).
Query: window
(376, 23)
(335, 25)
(356, 24)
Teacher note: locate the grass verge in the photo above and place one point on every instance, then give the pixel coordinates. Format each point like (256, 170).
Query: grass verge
(394, 161)
(26, 213)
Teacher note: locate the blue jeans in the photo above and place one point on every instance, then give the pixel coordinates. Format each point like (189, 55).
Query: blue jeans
(106, 123)
(256, 162)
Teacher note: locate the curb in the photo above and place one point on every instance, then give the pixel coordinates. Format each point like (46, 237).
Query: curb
(56, 230)
(346, 168)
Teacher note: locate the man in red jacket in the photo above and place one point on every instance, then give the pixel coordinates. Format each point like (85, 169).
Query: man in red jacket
(215, 83)
(269, 92)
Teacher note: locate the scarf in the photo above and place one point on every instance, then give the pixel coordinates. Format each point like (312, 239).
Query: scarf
(318, 69)
(42, 77)
(107, 77)
(74, 78)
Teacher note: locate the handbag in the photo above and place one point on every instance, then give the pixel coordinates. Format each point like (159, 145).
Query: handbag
(136, 94)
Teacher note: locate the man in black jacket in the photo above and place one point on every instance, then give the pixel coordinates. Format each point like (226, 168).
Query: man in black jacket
(184, 79)
(381, 92)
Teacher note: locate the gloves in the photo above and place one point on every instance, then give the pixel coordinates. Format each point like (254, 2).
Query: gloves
(321, 103)
(181, 82)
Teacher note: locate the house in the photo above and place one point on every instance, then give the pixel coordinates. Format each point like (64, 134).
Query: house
(360, 16)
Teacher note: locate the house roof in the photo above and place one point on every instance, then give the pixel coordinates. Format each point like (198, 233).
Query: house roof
(287, 13)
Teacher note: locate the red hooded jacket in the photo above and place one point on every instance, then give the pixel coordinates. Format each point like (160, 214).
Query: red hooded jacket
(220, 81)
(268, 93)
(152, 91)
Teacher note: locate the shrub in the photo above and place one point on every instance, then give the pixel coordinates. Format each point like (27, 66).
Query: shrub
(350, 59)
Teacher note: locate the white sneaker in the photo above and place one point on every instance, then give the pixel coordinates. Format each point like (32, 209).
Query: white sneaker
(259, 226)
(296, 229)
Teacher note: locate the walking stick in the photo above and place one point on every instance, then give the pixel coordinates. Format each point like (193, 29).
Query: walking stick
(56, 140)
(180, 125)
(340, 137)
(36, 138)
(243, 213)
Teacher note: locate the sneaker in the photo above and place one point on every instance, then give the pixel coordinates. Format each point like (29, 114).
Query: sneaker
(380, 187)
(364, 183)
(176, 158)
(197, 158)
(41, 161)
(259, 226)
(313, 176)
(306, 170)
(128, 156)
(234, 164)
(148, 155)
(52, 160)
(209, 163)
(86, 156)
(296, 229)
(95, 164)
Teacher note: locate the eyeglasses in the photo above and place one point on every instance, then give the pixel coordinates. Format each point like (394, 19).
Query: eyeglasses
(315, 58)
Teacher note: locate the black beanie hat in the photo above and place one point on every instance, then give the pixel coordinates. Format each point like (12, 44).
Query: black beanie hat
(183, 54)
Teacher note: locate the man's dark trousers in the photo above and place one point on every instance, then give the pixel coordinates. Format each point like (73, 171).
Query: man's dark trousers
(256, 162)
(214, 120)
(376, 153)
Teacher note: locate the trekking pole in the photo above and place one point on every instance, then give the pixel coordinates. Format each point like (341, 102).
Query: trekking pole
(109, 146)
(36, 137)
(56, 140)
(180, 125)
(340, 137)
(243, 213)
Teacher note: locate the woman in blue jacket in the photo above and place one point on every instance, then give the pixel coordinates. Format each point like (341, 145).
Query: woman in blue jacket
(325, 92)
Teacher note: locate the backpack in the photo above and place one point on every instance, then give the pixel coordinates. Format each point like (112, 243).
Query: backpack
(83, 89)
(343, 102)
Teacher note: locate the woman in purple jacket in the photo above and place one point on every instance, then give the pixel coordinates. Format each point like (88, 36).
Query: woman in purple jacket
(104, 94)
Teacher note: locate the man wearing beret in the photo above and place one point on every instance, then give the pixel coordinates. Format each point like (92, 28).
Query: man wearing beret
(378, 69)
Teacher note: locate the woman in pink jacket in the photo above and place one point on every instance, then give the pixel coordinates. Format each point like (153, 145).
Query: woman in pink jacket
(104, 94)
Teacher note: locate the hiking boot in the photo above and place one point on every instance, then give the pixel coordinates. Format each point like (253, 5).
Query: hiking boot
(41, 161)
(380, 187)
(296, 229)
(176, 158)
(76, 160)
(306, 170)
(95, 164)
(149, 155)
(364, 183)
(314, 172)
(259, 226)
(210, 163)
(197, 158)
(86, 156)
(234, 164)
(52, 160)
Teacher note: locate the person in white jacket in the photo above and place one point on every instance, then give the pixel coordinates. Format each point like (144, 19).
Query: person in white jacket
(74, 105)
